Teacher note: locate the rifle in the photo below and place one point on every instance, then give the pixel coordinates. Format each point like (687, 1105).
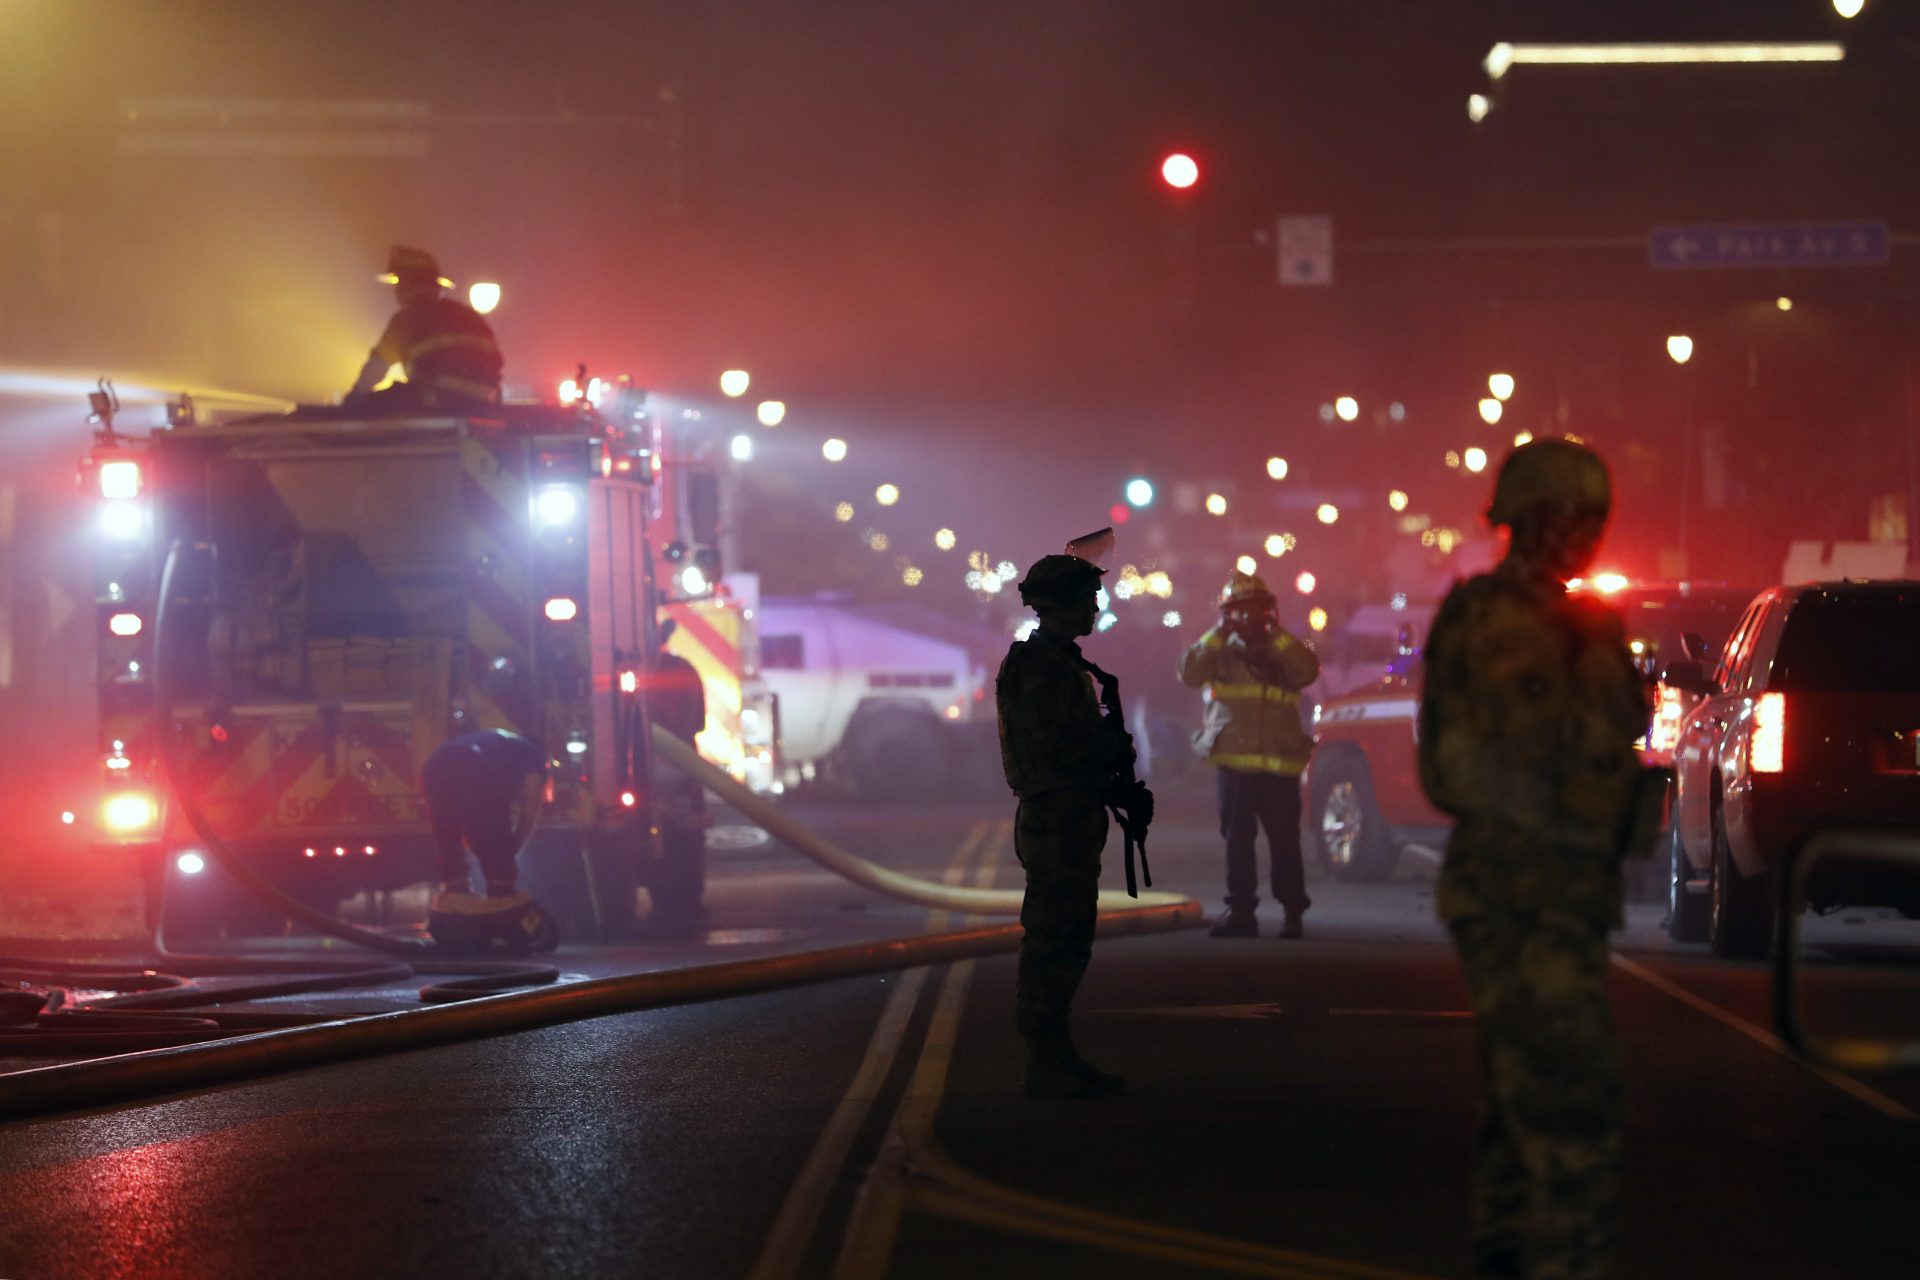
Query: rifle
(1130, 800)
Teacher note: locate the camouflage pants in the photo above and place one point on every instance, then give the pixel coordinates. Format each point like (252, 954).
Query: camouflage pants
(1057, 837)
(1547, 1183)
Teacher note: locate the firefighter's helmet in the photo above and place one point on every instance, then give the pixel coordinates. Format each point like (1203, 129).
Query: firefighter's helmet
(1059, 580)
(1245, 591)
(1556, 474)
(413, 266)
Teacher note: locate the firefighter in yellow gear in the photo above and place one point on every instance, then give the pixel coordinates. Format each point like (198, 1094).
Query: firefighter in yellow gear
(447, 352)
(1253, 671)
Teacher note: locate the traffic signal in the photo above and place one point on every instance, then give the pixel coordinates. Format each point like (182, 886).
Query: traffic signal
(1179, 171)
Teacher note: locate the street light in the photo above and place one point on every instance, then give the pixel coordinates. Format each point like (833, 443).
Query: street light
(1277, 468)
(834, 450)
(1246, 564)
(741, 447)
(483, 296)
(1490, 410)
(772, 412)
(734, 382)
(1140, 491)
(887, 494)
(1179, 171)
(1501, 384)
(1327, 513)
(1475, 459)
(1216, 504)
(1346, 408)
(1680, 348)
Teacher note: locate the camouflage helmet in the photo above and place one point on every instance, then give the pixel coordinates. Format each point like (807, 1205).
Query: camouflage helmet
(1245, 591)
(1550, 473)
(1059, 580)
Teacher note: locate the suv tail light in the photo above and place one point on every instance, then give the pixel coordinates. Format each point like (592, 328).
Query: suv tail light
(1766, 748)
(1668, 710)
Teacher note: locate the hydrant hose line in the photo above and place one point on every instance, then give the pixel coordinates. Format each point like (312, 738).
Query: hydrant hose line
(894, 884)
(106, 1081)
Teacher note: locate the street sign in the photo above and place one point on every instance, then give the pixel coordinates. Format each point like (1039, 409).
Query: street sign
(1712, 247)
(1306, 250)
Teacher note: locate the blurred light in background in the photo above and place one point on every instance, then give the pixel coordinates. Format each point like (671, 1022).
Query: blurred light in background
(483, 296)
(1501, 384)
(1475, 459)
(190, 863)
(1317, 618)
(772, 412)
(124, 624)
(887, 494)
(1276, 545)
(562, 609)
(1397, 411)
(1179, 171)
(1490, 410)
(1397, 499)
(741, 447)
(1346, 408)
(1522, 437)
(1680, 348)
(944, 539)
(1105, 622)
(1478, 105)
(1005, 571)
(1277, 468)
(734, 382)
(1171, 618)
(1453, 459)
(911, 576)
(1783, 302)
(879, 541)
(1849, 8)
(1504, 56)
(1327, 513)
(1216, 504)
(1139, 491)
(834, 450)
(1246, 564)
(843, 512)
(1305, 584)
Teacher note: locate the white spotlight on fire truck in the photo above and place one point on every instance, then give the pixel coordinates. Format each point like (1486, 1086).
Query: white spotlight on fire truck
(120, 478)
(562, 609)
(557, 504)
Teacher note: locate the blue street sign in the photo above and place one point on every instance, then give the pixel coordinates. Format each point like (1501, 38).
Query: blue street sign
(1779, 244)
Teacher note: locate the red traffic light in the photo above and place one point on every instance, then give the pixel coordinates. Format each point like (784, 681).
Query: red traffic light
(1179, 171)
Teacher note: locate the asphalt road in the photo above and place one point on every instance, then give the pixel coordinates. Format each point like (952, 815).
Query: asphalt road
(1294, 1108)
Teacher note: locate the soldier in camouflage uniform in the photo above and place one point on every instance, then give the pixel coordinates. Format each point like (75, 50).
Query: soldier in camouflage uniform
(1063, 761)
(1527, 726)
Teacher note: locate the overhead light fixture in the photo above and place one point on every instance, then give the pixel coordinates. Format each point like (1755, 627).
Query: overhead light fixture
(1504, 55)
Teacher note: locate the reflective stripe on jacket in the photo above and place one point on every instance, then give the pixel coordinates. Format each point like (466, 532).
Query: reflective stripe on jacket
(1253, 701)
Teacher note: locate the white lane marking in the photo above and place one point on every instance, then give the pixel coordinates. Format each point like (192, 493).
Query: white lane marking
(1846, 1084)
(799, 1215)
(1422, 851)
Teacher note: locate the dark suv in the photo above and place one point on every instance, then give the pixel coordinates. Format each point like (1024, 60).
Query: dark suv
(1810, 720)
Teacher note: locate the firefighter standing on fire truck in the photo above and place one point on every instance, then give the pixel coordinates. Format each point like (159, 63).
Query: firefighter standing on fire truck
(447, 351)
(1253, 671)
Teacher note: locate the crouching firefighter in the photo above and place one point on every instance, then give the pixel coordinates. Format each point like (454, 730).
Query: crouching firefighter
(484, 792)
(1068, 758)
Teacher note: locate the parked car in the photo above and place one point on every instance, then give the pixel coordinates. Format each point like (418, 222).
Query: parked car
(1363, 797)
(1810, 720)
(1362, 785)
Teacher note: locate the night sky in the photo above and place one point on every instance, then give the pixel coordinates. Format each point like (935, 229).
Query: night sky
(936, 230)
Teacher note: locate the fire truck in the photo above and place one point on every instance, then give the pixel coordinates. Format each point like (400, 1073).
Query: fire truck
(295, 610)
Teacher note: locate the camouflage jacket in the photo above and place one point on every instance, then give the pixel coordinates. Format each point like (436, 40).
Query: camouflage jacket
(1527, 725)
(1253, 701)
(1052, 732)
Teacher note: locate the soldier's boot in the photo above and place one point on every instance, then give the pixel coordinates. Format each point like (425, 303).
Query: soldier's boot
(1102, 1081)
(1055, 1070)
(1235, 924)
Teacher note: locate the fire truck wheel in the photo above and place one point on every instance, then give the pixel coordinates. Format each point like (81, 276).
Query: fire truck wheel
(1354, 842)
(678, 881)
(899, 757)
